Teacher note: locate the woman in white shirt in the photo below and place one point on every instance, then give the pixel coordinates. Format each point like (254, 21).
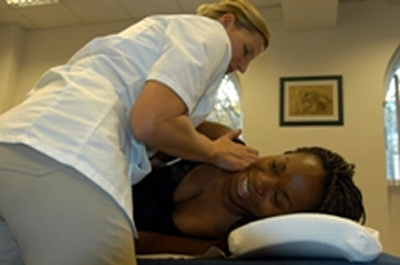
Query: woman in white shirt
(71, 151)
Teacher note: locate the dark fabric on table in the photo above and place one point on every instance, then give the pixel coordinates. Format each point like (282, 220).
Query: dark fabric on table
(383, 259)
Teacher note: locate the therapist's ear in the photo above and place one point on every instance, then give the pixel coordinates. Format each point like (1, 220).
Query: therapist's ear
(227, 20)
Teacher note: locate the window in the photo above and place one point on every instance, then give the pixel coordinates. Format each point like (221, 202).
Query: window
(391, 129)
(392, 121)
(227, 109)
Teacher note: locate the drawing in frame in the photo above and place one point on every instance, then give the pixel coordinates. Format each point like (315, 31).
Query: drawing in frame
(315, 100)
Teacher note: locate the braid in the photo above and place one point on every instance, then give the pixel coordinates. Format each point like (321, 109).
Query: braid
(342, 198)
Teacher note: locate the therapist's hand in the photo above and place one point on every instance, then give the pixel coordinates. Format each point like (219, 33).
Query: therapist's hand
(232, 156)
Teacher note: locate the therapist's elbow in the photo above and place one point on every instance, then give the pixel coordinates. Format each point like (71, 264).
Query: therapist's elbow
(142, 130)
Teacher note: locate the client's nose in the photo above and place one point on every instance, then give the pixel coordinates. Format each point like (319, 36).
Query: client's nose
(264, 184)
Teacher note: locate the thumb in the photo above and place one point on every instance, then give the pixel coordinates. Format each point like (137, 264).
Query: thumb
(233, 134)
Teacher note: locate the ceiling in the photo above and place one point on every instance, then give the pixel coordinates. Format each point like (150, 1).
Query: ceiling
(296, 14)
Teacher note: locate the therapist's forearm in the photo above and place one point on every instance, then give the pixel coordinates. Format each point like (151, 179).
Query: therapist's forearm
(177, 137)
(213, 130)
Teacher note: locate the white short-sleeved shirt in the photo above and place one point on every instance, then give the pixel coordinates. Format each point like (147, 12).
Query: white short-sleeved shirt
(78, 113)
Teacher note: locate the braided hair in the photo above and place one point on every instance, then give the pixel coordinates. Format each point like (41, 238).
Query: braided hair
(342, 198)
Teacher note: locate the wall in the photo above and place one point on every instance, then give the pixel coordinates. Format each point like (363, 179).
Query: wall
(359, 49)
(10, 54)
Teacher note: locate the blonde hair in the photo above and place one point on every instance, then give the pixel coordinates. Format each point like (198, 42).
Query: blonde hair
(245, 13)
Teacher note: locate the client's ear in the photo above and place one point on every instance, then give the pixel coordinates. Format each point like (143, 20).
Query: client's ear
(227, 20)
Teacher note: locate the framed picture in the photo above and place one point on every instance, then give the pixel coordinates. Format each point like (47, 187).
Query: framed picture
(315, 100)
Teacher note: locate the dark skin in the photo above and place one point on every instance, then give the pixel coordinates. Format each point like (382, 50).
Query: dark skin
(209, 200)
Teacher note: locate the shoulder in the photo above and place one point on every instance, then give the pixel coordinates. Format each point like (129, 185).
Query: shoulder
(191, 20)
(204, 30)
(204, 38)
(185, 20)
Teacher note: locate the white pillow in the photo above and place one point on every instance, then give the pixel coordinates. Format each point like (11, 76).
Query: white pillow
(305, 235)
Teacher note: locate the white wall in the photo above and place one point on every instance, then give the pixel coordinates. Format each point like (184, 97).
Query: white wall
(11, 44)
(359, 49)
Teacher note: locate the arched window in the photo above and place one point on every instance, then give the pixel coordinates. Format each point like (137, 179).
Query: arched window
(392, 121)
(227, 109)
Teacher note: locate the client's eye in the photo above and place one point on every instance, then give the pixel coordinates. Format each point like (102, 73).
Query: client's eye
(245, 51)
(274, 167)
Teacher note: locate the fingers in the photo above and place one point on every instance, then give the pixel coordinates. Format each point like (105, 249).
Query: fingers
(249, 155)
(233, 134)
(232, 163)
(252, 151)
(232, 156)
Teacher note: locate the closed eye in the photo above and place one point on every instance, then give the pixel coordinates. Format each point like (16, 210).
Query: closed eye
(274, 167)
(278, 166)
(246, 51)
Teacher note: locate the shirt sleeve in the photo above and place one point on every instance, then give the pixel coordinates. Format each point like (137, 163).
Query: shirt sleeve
(196, 52)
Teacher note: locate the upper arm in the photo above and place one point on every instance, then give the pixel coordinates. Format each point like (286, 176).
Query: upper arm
(190, 63)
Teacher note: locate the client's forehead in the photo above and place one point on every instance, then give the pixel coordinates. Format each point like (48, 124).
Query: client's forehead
(304, 173)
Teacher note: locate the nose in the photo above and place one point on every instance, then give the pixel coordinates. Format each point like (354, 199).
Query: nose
(264, 184)
(242, 66)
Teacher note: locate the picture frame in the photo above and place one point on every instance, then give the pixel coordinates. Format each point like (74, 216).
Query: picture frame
(311, 101)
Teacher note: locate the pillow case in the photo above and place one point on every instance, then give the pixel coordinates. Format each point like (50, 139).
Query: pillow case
(307, 235)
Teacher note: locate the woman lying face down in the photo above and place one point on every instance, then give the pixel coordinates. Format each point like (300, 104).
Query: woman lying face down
(187, 207)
